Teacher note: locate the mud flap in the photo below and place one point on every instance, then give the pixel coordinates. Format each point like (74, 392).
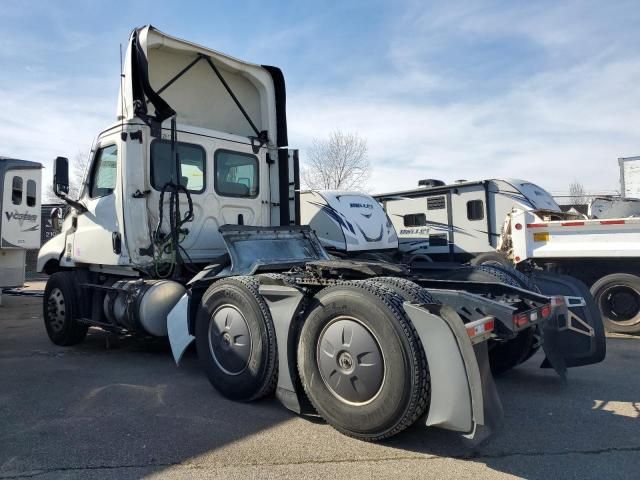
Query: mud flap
(463, 394)
(178, 328)
(283, 303)
(574, 339)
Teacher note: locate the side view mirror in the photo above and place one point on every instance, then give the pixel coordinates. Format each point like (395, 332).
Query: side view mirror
(61, 177)
(56, 218)
(61, 183)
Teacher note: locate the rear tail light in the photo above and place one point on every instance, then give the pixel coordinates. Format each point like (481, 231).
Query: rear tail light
(480, 327)
(520, 320)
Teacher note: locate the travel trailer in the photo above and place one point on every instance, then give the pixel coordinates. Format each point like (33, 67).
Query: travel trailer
(21, 217)
(514, 222)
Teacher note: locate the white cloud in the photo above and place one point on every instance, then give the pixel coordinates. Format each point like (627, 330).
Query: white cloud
(40, 122)
(567, 121)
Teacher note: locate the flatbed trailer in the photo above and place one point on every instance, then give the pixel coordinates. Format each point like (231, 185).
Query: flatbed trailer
(603, 253)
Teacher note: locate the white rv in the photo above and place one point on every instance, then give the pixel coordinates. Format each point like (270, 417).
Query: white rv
(20, 223)
(460, 221)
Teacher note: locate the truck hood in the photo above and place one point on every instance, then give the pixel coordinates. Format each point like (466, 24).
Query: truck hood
(163, 76)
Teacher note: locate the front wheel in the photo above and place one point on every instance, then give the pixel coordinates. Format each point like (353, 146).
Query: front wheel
(60, 310)
(618, 297)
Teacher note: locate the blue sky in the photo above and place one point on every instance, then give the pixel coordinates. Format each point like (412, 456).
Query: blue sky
(544, 90)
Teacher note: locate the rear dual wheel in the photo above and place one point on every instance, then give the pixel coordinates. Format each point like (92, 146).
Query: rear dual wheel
(361, 362)
(235, 339)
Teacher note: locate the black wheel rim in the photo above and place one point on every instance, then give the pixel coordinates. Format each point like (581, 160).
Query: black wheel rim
(621, 304)
(56, 310)
(230, 340)
(350, 361)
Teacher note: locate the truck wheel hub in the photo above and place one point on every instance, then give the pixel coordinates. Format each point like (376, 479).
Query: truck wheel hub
(350, 361)
(56, 310)
(230, 340)
(622, 304)
(345, 361)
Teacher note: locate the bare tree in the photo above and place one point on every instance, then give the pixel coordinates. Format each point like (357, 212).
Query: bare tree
(578, 194)
(337, 163)
(77, 168)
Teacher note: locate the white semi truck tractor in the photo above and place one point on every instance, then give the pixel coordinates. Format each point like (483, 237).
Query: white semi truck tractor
(188, 226)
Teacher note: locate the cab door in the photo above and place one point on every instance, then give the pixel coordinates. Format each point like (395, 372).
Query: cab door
(96, 239)
(241, 185)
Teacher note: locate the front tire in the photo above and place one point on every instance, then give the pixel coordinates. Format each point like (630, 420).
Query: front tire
(361, 362)
(235, 339)
(618, 298)
(60, 310)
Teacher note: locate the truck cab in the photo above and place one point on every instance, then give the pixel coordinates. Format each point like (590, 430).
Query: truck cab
(218, 135)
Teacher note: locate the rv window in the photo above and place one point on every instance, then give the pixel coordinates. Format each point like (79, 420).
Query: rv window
(192, 165)
(103, 173)
(475, 210)
(31, 193)
(438, 240)
(435, 203)
(16, 191)
(415, 220)
(236, 174)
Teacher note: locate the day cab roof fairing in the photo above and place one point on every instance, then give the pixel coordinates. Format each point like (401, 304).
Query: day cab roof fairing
(164, 75)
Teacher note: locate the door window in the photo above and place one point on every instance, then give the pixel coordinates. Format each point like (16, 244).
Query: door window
(16, 191)
(236, 174)
(192, 165)
(103, 176)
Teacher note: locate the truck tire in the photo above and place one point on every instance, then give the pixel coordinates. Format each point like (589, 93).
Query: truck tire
(618, 298)
(60, 310)
(491, 258)
(361, 362)
(406, 288)
(235, 339)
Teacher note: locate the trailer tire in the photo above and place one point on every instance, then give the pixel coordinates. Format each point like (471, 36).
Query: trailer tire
(491, 258)
(618, 298)
(235, 339)
(60, 310)
(382, 397)
(407, 289)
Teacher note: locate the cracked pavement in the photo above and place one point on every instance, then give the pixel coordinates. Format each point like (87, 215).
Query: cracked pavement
(122, 409)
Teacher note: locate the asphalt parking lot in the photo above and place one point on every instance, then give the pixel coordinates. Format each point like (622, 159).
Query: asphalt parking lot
(120, 408)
